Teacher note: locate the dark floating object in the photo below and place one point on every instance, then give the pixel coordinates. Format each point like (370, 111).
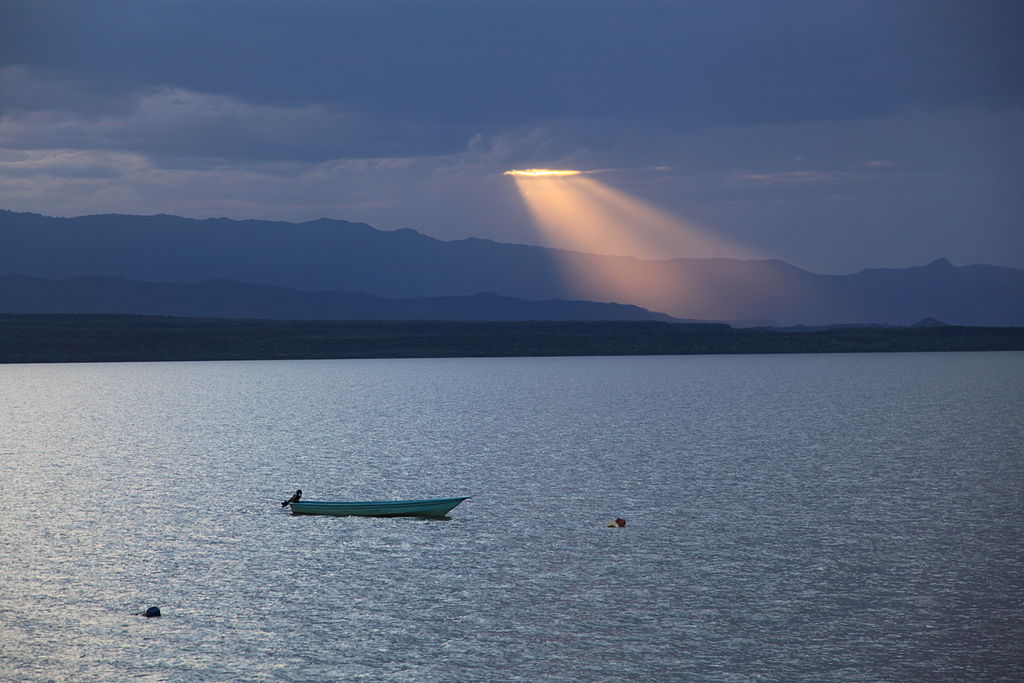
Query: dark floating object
(617, 522)
(294, 499)
(427, 507)
(152, 612)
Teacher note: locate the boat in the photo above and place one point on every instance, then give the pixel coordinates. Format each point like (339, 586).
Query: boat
(428, 507)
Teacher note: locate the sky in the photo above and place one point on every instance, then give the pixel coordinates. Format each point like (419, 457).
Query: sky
(836, 135)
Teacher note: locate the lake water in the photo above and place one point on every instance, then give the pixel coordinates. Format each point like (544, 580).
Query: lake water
(790, 518)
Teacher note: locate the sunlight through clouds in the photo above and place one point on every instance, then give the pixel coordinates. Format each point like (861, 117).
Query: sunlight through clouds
(542, 172)
(583, 217)
(577, 212)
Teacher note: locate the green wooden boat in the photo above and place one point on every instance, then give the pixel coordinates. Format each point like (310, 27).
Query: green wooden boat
(428, 507)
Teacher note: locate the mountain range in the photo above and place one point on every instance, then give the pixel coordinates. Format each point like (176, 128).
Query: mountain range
(338, 269)
(229, 299)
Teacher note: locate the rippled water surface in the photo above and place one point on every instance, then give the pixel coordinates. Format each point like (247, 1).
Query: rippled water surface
(821, 517)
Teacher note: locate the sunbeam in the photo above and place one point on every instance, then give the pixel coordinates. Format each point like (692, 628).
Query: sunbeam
(583, 217)
(574, 211)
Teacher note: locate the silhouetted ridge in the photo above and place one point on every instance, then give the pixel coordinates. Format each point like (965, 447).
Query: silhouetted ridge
(929, 322)
(222, 298)
(328, 254)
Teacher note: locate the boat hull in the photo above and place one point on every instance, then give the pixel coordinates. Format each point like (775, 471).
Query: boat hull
(431, 507)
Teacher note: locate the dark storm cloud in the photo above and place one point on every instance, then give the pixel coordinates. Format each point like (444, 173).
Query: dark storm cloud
(835, 134)
(321, 80)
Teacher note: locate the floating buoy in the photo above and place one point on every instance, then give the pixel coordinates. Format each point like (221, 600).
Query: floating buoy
(617, 522)
(152, 612)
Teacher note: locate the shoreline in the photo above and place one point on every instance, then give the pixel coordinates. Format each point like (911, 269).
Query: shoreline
(77, 338)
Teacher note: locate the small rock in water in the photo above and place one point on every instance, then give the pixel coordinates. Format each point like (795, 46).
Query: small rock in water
(152, 612)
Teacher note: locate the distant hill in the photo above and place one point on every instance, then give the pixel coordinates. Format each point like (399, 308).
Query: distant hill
(354, 257)
(229, 299)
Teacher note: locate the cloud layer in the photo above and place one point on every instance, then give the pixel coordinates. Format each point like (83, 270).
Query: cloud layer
(405, 113)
